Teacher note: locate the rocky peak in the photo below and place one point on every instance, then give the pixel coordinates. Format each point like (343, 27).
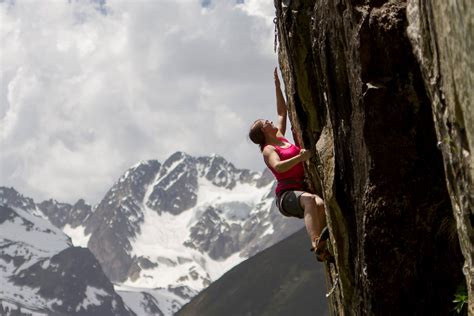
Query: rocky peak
(79, 212)
(174, 189)
(135, 180)
(176, 159)
(224, 174)
(118, 217)
(58, 213)
(129, 191)
(9, 196)
(61, 214)
(218, 170)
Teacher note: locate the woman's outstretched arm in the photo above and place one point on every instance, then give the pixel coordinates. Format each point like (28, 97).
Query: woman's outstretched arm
(281, 106)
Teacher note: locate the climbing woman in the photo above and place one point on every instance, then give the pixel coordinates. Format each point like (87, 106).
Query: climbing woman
(285, 160)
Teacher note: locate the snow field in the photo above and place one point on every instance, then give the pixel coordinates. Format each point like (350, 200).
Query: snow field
(77, 235)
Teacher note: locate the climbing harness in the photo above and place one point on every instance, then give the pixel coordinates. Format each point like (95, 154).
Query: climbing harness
(333, 286)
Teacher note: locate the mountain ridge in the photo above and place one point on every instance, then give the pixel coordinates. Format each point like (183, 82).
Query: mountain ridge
(189, 231)
(40, 273)
(279, 285)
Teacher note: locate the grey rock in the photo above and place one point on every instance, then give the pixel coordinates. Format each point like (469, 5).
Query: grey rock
(356, 93)
(213, 235)
(117, 219)
(182, 291)
(57, 213)
(79, 213)
(145, 263)
(61, 214)
(176, 187)
(441, 34)
(166, 261)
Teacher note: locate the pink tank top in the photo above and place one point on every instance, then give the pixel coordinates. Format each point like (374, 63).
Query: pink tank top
(292, 179)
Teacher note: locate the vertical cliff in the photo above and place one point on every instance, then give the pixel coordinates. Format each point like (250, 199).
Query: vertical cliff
(359, 96)
(442, 35)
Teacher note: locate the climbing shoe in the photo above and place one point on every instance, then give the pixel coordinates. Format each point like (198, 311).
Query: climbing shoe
(321, 251)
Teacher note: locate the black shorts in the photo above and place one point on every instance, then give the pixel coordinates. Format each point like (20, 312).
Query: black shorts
(289, 205)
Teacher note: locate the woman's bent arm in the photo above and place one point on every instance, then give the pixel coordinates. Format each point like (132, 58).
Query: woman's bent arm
(273, 160)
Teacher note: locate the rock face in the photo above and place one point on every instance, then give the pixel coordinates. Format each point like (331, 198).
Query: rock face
(61, 214)
(442, 37)
(117, 219)
(358, 99)
(175, 189)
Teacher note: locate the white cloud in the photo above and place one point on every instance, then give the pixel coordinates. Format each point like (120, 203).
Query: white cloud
(88, 90)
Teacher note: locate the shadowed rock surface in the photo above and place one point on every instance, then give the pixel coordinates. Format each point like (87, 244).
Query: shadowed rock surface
(441, 33)
(358, 99)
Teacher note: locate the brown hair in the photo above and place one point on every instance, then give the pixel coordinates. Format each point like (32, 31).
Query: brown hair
(256, 135)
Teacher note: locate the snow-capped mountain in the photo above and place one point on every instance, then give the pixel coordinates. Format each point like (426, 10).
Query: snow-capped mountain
(163, 232)
(118, 218)
(39, 270)
(183, 223)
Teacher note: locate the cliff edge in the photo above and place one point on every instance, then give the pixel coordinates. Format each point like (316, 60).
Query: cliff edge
(381, 92)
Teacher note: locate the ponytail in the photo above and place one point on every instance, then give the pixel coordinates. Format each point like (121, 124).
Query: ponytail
(256, 135)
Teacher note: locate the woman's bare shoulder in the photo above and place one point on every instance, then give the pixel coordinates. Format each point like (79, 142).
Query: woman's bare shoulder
(268, 149)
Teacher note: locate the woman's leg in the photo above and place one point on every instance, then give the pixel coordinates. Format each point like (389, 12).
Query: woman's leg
(314, 215)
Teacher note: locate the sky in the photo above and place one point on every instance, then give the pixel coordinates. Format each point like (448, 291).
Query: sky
(89, 88)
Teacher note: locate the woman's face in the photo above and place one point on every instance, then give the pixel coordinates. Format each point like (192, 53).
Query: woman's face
(268, 127)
